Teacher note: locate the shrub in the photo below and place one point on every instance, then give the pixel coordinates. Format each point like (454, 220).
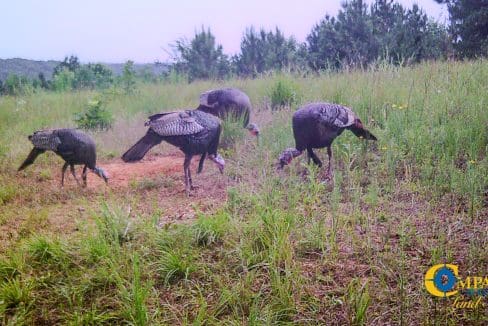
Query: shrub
(174, 265)
(64, 80)
(232, 131)
(283, 94)
(128, 78)
(95, 117)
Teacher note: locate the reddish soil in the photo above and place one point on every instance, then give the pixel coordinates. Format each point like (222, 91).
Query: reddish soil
(121, 173)
(153, 187)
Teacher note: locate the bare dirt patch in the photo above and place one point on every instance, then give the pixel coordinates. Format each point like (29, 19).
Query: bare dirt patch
(152, 188)
(121, 173)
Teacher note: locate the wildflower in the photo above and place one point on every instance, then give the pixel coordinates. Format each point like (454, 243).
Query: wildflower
(472, 161)
(384, 148)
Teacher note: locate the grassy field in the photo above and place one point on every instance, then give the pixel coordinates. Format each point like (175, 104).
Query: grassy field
(277, 247)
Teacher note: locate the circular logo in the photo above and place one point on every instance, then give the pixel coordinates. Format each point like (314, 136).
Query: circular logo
(444, 279)
(441, 279)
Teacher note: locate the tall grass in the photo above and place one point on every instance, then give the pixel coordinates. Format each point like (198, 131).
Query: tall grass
(285, 247)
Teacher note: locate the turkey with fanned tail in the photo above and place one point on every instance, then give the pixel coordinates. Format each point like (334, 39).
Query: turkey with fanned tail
(193, 132)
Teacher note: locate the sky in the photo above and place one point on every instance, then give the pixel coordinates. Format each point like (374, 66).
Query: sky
(115, 31)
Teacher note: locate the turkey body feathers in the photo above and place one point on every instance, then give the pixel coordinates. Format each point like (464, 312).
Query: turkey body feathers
(316, 125)
(193, 132)
(74, 146)
(226, 102)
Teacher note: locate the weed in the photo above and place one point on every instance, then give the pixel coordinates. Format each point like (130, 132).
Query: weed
(283, 94)
(358, 300)
(95, 117)
(210, 229)
(7, 193)
(45, 251)
(14, 293)
(135, 296)
(232, 131)
(174, 265)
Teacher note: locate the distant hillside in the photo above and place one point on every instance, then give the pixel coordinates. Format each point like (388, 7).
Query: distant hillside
(24, 67)
(32, 68)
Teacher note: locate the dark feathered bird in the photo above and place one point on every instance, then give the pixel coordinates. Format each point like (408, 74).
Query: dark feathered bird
(74, 146)
(316, 125)
(193, 132)
(228, 102)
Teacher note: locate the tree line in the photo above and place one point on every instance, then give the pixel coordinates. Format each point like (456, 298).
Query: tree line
(70, 74)
(360, 35)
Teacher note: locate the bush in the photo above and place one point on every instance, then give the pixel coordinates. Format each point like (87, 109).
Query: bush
(283, 94)
(64, 80)
(95, 117)
(16, 85)
(232, 131)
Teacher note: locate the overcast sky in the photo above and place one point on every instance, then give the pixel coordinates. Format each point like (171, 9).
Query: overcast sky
(119, 30)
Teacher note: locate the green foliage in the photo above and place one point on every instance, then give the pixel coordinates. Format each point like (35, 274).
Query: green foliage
(64, 80)
(210, 229)
(7, 192)
(285, 247)
(135, 296)
(93, 76)
(10, 267)
(358, 300)
(114, 226)
(13, 294)
(360, 35)
(96, 117)
(201, 58)
(469, 27)
(128, 79)
(283, 94)
(71, 64)
(267, 51)
(70, 74)
(174, 265)
(45, 251)
(16, 85)
(232, 131)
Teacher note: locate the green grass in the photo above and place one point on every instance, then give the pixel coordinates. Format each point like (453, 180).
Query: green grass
(284, 247)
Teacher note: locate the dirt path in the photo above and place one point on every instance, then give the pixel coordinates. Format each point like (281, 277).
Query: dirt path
(153, 187)
(121, 173)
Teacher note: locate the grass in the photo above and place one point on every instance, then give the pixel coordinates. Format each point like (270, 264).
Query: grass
(284, 247)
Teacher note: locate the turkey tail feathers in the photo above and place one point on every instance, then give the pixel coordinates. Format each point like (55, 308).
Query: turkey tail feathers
(31, 158)
(137, 152)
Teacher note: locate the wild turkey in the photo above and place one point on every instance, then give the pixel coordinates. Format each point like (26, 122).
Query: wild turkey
(228, 102)
(74, 146)
(194, 132)
(316, 125)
